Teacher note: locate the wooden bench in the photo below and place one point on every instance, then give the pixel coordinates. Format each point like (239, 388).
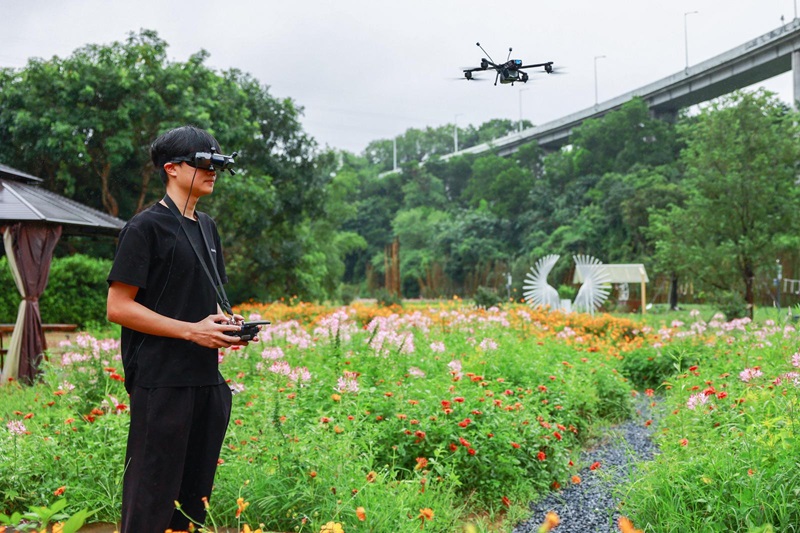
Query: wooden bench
(8, 329)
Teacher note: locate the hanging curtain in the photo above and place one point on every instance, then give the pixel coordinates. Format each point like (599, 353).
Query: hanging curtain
(29, 248)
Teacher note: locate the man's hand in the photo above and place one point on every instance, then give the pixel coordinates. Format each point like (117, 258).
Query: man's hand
(211, 332)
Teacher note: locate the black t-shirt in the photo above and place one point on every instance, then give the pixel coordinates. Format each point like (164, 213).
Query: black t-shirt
(171, 282)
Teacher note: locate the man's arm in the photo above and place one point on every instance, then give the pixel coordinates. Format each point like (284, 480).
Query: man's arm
(123, 309)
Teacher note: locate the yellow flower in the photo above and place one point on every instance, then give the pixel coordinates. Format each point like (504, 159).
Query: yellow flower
(332, 527)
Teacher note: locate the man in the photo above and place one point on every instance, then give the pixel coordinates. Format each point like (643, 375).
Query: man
(167, 303)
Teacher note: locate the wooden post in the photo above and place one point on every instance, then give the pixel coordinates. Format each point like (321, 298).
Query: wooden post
(644, 298)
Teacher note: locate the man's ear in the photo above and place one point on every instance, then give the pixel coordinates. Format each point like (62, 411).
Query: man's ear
(171, 170)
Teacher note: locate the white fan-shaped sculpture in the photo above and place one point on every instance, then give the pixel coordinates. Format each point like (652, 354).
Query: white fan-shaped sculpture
(536, 290)
(595, 283)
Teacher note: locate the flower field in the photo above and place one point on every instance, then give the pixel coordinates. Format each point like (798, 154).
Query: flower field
(439, 418)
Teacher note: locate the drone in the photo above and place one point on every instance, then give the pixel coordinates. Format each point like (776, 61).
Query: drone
(509, 72)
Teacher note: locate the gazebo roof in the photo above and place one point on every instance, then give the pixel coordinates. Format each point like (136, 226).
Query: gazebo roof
(21, 199)
(631, 273)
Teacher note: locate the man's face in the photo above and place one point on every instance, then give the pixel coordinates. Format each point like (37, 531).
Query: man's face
(186, 177)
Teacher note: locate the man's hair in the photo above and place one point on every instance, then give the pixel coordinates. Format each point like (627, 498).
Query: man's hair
(180, 142)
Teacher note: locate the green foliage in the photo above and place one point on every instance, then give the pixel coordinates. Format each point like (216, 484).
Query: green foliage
(651, 368)
(348, 293)
(567, 292)
(731, 303)
(38, 518)
(485, 297)
(75, 294)
(76, 291)
(388, 299)
(740, 211)
(9, 295)
(727, 438)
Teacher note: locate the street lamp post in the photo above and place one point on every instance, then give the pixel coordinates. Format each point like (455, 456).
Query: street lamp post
(519, 124)
(686, 35)
(595, 78)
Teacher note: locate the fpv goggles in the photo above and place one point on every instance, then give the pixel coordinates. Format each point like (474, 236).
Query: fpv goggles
(208, 161)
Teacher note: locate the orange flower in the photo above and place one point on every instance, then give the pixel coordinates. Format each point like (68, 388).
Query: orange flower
(242, 505)
(425, 514)
(626, 526)
(576, 480)
(372, 476)
(551, 520)
(361, 513)
(60, 490)
(422, 462)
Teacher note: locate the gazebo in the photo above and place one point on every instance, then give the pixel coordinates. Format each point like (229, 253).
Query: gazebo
(32, 219)
(621, 273)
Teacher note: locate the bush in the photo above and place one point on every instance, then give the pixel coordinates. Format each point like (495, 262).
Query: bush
(731, 304)
(9, 295)
(76, 292)
(387, 299)
(486, 297)
(567, 292)
(348, 293)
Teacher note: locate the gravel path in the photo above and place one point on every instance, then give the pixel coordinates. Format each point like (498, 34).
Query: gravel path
(591, 507)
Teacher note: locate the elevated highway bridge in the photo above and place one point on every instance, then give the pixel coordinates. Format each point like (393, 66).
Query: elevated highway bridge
(761, 58)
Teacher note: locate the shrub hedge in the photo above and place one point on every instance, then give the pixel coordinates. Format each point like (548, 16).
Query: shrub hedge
(75, 293)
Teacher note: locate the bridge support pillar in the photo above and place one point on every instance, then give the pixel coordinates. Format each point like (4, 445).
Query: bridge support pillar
(796, 76)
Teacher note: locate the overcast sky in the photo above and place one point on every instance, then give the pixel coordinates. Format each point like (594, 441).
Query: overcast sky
(370, 69)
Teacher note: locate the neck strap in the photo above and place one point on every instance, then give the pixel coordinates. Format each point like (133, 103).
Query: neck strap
(219, 289)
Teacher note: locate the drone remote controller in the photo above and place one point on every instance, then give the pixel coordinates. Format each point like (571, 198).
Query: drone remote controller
(248, 330)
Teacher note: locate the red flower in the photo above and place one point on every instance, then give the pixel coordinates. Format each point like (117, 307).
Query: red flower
(471, 451)
(446, 404)
(541, 456)
(464, 423)
(506, 501)
(557, 435)
(458, 399)
(595, 465)
(464, 442)
(453, 446)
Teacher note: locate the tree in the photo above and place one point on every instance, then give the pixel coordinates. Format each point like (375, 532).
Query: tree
(84, 123)
(741, 169)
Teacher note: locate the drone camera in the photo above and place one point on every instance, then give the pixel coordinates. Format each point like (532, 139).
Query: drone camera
(548, 67)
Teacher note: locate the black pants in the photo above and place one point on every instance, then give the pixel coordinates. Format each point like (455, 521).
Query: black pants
(173, 446)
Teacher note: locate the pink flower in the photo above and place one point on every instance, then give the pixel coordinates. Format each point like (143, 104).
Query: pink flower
(695, 400)
(750, 373)
(16, 427)
(796, 359)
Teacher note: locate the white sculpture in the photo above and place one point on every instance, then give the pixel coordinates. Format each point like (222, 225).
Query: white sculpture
(596, 283)
(537, 291)
(593, 292)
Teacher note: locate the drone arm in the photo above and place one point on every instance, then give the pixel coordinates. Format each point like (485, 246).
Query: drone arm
(536, 65)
